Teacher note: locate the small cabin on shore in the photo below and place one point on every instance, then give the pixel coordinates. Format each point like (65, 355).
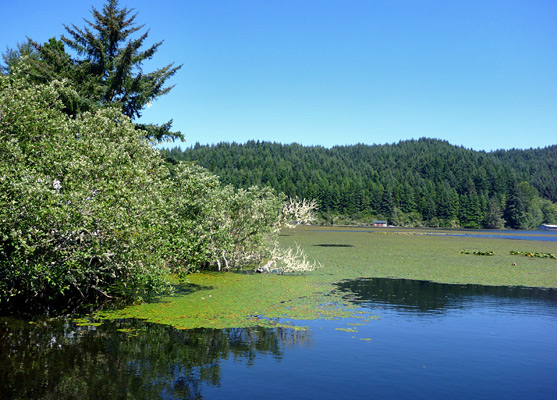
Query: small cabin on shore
(379, 223)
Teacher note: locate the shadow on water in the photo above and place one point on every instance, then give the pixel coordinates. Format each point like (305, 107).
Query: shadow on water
(431, 297)
(125, 358)
(183, 289)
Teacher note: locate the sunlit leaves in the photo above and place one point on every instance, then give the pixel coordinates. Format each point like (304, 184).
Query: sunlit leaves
(78, 198)
(90, 210)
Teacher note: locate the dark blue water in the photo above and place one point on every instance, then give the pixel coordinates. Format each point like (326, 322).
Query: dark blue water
(432, 341)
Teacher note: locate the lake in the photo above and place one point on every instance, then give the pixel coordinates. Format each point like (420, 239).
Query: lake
(430, 341)
(535, 235)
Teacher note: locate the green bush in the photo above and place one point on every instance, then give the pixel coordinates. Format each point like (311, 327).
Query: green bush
(89, 209)
(208, 225)
(78, 197)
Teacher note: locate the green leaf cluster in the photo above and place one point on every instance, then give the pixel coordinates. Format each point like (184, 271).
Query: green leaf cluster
(89, 210)
(77, 198)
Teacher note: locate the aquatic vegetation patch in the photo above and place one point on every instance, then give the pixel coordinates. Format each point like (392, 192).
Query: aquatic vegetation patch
(430, 256)
(227, 300)
(478, 253)
(533, 254)
(86, 321)
(130, 332)
(352, 330)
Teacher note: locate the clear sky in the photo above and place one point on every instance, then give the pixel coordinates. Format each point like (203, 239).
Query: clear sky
(478, 73)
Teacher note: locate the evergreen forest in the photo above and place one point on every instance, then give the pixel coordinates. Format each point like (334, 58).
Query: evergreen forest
(425, 182)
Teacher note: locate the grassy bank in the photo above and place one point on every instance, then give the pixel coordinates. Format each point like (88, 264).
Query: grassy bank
(219, 300)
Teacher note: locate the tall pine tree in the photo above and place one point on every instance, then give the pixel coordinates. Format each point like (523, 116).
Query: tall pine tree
(114, 56)
(106, 69)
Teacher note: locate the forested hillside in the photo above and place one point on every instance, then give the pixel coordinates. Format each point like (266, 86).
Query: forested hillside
(415, 182)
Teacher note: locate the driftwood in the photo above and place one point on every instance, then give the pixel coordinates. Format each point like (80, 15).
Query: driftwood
(266, 267)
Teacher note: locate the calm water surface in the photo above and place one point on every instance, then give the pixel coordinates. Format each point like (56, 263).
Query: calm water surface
(536, 235)
(432, 341)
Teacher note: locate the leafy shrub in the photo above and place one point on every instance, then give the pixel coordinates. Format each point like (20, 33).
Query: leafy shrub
(77, 199)
(89, 209)
(208, 225)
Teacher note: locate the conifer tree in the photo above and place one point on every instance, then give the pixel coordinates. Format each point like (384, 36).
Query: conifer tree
(12, 57)
(515, 210)
(115, 58)
(106, 69)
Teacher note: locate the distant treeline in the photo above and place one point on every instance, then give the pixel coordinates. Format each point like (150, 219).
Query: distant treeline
(415, 182)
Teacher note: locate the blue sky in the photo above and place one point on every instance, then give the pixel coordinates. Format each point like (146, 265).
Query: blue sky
(479, 74)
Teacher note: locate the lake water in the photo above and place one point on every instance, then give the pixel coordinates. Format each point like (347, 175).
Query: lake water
(536, 235)
(432, 341)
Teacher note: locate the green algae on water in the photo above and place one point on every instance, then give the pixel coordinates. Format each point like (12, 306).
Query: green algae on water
(232, 300)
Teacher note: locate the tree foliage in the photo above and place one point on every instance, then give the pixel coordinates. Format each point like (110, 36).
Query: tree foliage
(105, 66)
(12, 57)
(90, 210)
(115, 58)
(416, 182)
(77, 200)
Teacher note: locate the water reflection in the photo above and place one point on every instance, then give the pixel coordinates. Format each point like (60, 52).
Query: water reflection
(433, 341)
(125, 359)
(429, 297)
